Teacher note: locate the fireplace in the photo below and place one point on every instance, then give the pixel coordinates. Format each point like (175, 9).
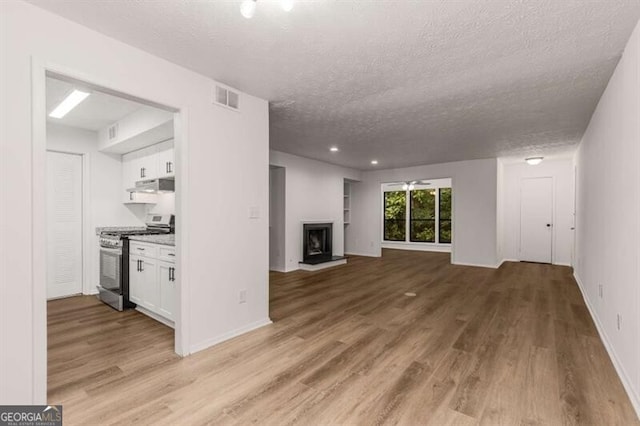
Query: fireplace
(316, 242)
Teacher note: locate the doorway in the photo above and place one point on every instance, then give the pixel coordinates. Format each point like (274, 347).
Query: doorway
(64, 224)
(536, 219)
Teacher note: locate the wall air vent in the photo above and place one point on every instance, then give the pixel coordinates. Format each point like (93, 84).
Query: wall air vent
(227, 98)
(113, 132)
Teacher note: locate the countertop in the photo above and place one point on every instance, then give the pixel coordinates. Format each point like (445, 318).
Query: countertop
(164, 239)
(119, 228)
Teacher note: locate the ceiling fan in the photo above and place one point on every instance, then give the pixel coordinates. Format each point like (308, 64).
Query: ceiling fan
(410, 184)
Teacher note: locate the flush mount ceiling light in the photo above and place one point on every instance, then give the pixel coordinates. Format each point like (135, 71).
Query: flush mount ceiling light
(248, 7)
(69, 103)
(334, 149)
(533, 161)
(374, 162)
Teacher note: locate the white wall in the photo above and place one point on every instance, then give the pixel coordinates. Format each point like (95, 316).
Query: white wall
(104, 190)
(314, 192)
(277, 218)
(474, 186)
(608, 217)
(561, 170)
(220, 250)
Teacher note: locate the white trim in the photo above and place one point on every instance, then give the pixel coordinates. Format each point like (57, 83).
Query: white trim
(432, 247)
(39, 231)
(321, 266)
(477, 265)
(362, 254)
(277, 270)
(626, 382)
(39, 70)
(230, 335)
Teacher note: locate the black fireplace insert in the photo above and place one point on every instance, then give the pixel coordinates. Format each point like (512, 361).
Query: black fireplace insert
(316, 242)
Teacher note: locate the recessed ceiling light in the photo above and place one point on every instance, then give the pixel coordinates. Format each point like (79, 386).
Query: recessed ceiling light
(374, 162)
(248, 8)
(286, 5)
(334, 149)
(69, 103)
(533, 161)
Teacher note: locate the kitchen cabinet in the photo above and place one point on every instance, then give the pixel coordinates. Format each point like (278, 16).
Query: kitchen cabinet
(166, 159)
(143, 282)
(152, 283)
(167, 290)
(133, 164)
(156, 161)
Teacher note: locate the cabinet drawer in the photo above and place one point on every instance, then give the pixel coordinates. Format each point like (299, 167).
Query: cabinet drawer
(167, 253)
(145, 250)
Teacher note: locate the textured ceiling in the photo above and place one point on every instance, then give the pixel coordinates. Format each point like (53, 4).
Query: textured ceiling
(405, 82)
(96, 112)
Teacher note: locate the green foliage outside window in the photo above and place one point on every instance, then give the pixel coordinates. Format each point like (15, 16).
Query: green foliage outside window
(445, 215)
(423, 215)
(395, 214)
(422, 225)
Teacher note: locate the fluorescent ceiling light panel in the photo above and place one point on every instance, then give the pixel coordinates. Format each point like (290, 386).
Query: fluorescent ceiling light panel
(69, 103)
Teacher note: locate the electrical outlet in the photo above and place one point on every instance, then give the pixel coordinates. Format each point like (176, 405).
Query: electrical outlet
(242, 296)
(619, 322)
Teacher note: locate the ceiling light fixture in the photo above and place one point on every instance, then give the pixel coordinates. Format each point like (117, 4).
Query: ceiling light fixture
(248, 8)
(374, 162)
(534, 161)
(69, 103)
(334, 149)
(286, 5)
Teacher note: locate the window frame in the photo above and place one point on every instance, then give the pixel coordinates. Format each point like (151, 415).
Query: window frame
(409, 217)
(384, 218)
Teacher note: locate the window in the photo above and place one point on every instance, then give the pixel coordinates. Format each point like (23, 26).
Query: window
(444, 207)
(395, 216)
(423, 215)
(427, 220)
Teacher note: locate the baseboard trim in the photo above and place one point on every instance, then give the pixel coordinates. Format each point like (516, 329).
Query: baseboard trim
(230, 335)
(626, 383)
(477, 265)
(360, 254)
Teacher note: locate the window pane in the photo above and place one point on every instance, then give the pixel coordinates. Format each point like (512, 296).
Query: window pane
(395, 211)
(445, 231)
(445, 203)
(423, 214)
(423, 230)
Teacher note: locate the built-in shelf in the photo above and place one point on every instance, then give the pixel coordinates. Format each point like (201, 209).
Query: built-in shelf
(347, 203)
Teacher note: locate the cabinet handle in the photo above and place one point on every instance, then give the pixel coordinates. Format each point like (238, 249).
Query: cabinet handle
(171, 254)
(131, 196)
(170, 166)
(138, 265)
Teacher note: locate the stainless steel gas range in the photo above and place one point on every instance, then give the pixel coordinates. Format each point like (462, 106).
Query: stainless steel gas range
(114, 259)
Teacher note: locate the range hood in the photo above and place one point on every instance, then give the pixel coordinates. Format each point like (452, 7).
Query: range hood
(154, 186)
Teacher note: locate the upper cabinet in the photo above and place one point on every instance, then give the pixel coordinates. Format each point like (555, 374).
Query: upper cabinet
(166, 164)
(156, 161)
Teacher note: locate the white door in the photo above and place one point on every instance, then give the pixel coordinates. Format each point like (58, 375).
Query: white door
(64, 224)
(166, 275)
(536, 219)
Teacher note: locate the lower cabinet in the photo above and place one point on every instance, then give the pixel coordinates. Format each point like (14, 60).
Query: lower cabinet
(152, 281)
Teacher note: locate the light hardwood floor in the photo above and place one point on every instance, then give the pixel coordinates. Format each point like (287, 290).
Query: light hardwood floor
(513, 346)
